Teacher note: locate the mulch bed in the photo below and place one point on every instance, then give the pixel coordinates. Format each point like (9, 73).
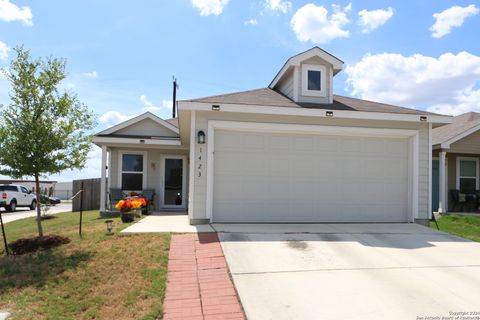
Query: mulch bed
(28, 245)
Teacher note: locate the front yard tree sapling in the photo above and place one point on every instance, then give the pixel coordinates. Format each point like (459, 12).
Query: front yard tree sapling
(44, 130)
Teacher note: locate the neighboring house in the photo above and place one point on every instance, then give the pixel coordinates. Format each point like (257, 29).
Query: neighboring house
(456, 153)
(63, 190)
(45, 185)
(291, 152)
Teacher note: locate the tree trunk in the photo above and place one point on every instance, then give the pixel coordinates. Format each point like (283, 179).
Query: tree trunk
(39, 213)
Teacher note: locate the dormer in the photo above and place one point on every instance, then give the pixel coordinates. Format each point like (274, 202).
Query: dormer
(308, 77)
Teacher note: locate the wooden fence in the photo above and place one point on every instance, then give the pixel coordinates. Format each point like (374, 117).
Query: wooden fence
(91, 194)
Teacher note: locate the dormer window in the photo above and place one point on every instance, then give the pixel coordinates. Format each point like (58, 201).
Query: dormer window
(314, 80)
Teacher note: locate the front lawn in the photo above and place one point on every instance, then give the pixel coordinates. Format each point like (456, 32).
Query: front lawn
(98, 276)
(464, 226)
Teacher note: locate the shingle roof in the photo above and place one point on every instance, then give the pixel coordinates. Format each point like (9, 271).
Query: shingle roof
(270, 97)
(173, 121)
(459, 125)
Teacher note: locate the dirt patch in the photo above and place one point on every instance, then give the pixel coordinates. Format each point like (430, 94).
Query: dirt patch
(298, 245)
(28, 245)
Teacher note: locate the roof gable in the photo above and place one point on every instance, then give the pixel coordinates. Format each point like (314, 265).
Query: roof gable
(306, 55)
(461, 126)
(142, 125)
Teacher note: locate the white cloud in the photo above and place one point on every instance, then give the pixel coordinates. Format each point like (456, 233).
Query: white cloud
(313, 23)
(371, 20)
(251, 22)
(11, 12)
(149, 106)
(209, 7)
(446, 84)
(92, 74)
(451, 18)
(111, 118)
(278, 5)
(4, 51)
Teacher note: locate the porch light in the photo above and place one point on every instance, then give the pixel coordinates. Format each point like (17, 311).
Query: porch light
(109, 224)
(329, 113)
(201, 137)
(423, 118)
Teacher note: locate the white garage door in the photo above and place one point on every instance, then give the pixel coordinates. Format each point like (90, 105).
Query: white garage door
(274, 177)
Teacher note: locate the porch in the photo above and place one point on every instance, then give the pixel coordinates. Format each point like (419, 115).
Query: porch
(455, 182)
(144, 155)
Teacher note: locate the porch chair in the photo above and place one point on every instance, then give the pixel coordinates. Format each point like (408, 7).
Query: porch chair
(115, 195)
(149, 194)
(458, 199)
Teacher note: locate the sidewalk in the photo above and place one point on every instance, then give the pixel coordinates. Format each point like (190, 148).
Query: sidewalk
(199, 285)
(23, 213)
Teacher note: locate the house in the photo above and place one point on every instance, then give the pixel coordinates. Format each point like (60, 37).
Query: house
(64, 190)
(456, 153)
(290, 152)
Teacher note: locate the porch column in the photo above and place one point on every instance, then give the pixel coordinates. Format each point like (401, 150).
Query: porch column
(103, 184)
(442, 187)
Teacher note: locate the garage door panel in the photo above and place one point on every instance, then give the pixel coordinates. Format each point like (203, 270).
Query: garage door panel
(254, 142)
(302, 166)
(326, 144)
(278, 166)
(374, 145)
(349, 167)
(228, 140)
(350, 145)
(271, 177)
(303, 144)
(278, 143)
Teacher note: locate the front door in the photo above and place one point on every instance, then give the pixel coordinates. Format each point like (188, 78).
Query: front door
(173, 182)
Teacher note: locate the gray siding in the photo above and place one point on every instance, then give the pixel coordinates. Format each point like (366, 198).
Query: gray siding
(199, 210)
(470, 144)
(286, 85)
(147, 127)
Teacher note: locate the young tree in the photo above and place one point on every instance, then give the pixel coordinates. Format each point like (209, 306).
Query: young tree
(42, 131)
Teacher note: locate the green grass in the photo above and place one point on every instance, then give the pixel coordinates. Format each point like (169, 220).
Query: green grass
(467, 227)
(97, 276)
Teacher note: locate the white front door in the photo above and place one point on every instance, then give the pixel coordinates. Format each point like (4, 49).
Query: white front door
(173, 182)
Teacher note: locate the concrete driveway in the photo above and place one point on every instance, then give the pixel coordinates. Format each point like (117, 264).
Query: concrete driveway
(351, 271)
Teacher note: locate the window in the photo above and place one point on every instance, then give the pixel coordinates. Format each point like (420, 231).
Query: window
(314, 80)
(132, 174)
(24, 190)
(8, 188)
(467, 175)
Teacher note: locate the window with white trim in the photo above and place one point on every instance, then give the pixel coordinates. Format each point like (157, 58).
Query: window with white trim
(467, 175)
(314, 80)
(132, 174)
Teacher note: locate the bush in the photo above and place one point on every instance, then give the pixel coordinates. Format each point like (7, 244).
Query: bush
(27, 245)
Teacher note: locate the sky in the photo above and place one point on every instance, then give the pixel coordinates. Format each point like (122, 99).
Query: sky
(122, 55)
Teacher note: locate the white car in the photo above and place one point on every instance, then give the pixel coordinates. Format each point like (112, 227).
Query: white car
(13, 196)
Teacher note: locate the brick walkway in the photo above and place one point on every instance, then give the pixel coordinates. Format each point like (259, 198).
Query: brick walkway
(199, 286)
